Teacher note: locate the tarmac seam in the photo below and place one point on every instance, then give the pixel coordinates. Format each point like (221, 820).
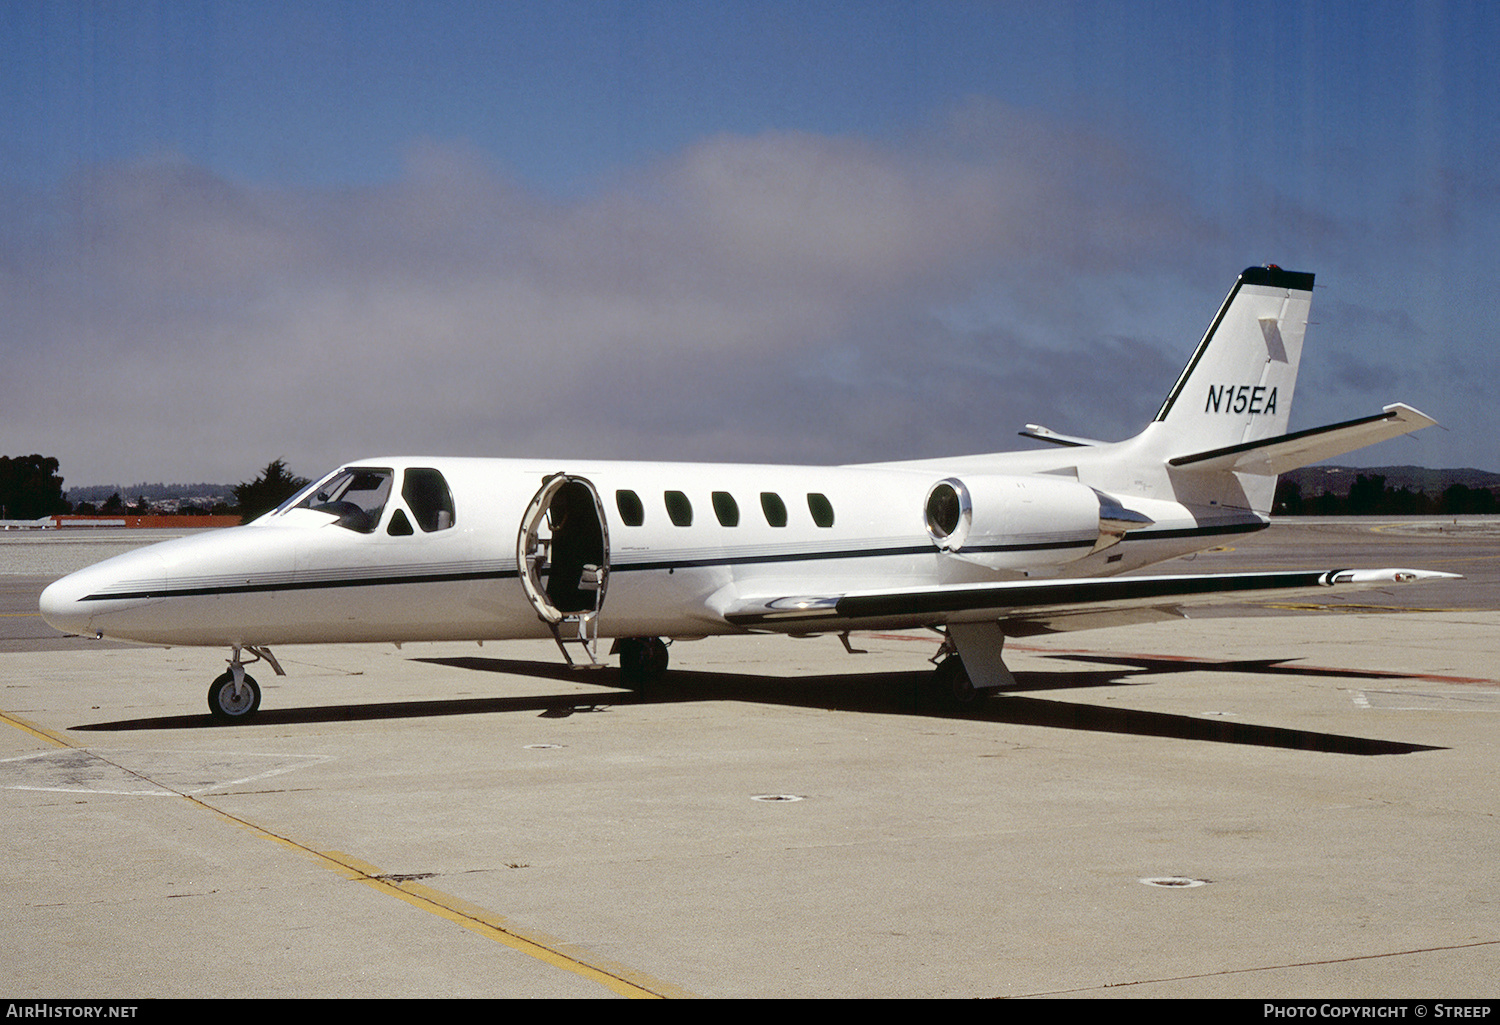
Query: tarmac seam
(1262, 968)
(615, 977)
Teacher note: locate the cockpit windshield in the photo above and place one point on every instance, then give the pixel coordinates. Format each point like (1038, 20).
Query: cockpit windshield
(356, 495)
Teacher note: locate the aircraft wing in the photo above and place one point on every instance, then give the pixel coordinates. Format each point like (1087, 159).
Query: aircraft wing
(1029, 607)
(1289, 451)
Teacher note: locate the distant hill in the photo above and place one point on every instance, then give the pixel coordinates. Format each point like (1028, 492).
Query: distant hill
(1385, 491)
(196, 493)
(1336, 480)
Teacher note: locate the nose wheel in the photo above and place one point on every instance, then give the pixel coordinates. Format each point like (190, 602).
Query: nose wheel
(229, 701)
(235, 696)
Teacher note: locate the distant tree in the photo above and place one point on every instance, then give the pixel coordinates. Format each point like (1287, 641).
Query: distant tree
(1288, 500)
(141, 507)
(1325, 504)
(114, 503)
(274, 486)
(1370, 495)
(1403, 501)
(30, 487)
(1365, 495)
(1459, 499)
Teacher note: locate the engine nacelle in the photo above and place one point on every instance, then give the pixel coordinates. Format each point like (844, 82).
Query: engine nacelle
(1028, 520)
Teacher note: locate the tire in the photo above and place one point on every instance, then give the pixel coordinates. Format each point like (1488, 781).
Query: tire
(223, 704)
(643, 660)
(952, 689)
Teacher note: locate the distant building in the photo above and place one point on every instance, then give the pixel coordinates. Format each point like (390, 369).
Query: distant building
(149, 521)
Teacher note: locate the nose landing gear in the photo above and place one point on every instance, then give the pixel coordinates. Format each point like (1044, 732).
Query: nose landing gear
(235, 696)
(231, 700)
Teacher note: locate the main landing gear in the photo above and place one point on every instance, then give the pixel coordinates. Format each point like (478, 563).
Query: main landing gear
(643, 660)
(970, 665)
(951, 682)
(235, 696)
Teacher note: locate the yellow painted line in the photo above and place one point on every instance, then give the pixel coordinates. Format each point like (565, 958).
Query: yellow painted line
(1351, 607)
(1381, 528)
(35, 730)
(1431, 529)
(613, 976)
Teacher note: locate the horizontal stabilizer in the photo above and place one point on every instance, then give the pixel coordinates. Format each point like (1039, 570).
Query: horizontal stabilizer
(1039, 606)
(1289, 451)
(1047, 434)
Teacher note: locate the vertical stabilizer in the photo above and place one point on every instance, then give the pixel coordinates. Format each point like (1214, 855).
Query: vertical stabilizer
(1238, 386)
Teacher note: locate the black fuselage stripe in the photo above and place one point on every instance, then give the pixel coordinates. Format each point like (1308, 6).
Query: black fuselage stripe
(1068, 593)
(249, 587)
(301, 585)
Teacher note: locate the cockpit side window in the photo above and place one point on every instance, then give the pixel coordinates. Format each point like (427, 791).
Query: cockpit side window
(399, 526)
(357, 496)
(429, 499)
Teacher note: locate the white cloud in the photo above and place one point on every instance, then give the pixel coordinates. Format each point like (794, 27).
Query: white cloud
(767, 297)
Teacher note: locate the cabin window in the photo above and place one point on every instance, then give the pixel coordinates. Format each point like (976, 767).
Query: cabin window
(632, 512)
(726, 509)
(679, 509)
(821, 509)
(357, 496)
(428, 498)
(774, 508)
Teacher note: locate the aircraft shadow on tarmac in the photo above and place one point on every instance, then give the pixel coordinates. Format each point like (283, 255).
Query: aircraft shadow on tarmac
(889, 693)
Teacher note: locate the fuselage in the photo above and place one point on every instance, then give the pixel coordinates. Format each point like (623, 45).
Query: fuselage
(664, 548)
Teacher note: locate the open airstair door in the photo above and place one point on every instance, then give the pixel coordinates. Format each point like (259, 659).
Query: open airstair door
(562, 553)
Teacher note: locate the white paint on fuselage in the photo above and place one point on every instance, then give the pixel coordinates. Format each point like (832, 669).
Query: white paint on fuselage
(297, 577)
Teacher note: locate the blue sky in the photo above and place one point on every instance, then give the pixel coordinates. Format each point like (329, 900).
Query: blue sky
(823, 232)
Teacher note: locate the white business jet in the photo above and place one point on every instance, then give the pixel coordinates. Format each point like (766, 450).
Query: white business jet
(978, 548)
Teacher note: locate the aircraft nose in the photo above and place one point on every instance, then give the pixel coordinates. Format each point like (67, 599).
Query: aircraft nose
(104, 597)
(61, 606)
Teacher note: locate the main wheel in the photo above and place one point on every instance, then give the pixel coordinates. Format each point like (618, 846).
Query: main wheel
(951, 682)
(642, 660)
(226, 705)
